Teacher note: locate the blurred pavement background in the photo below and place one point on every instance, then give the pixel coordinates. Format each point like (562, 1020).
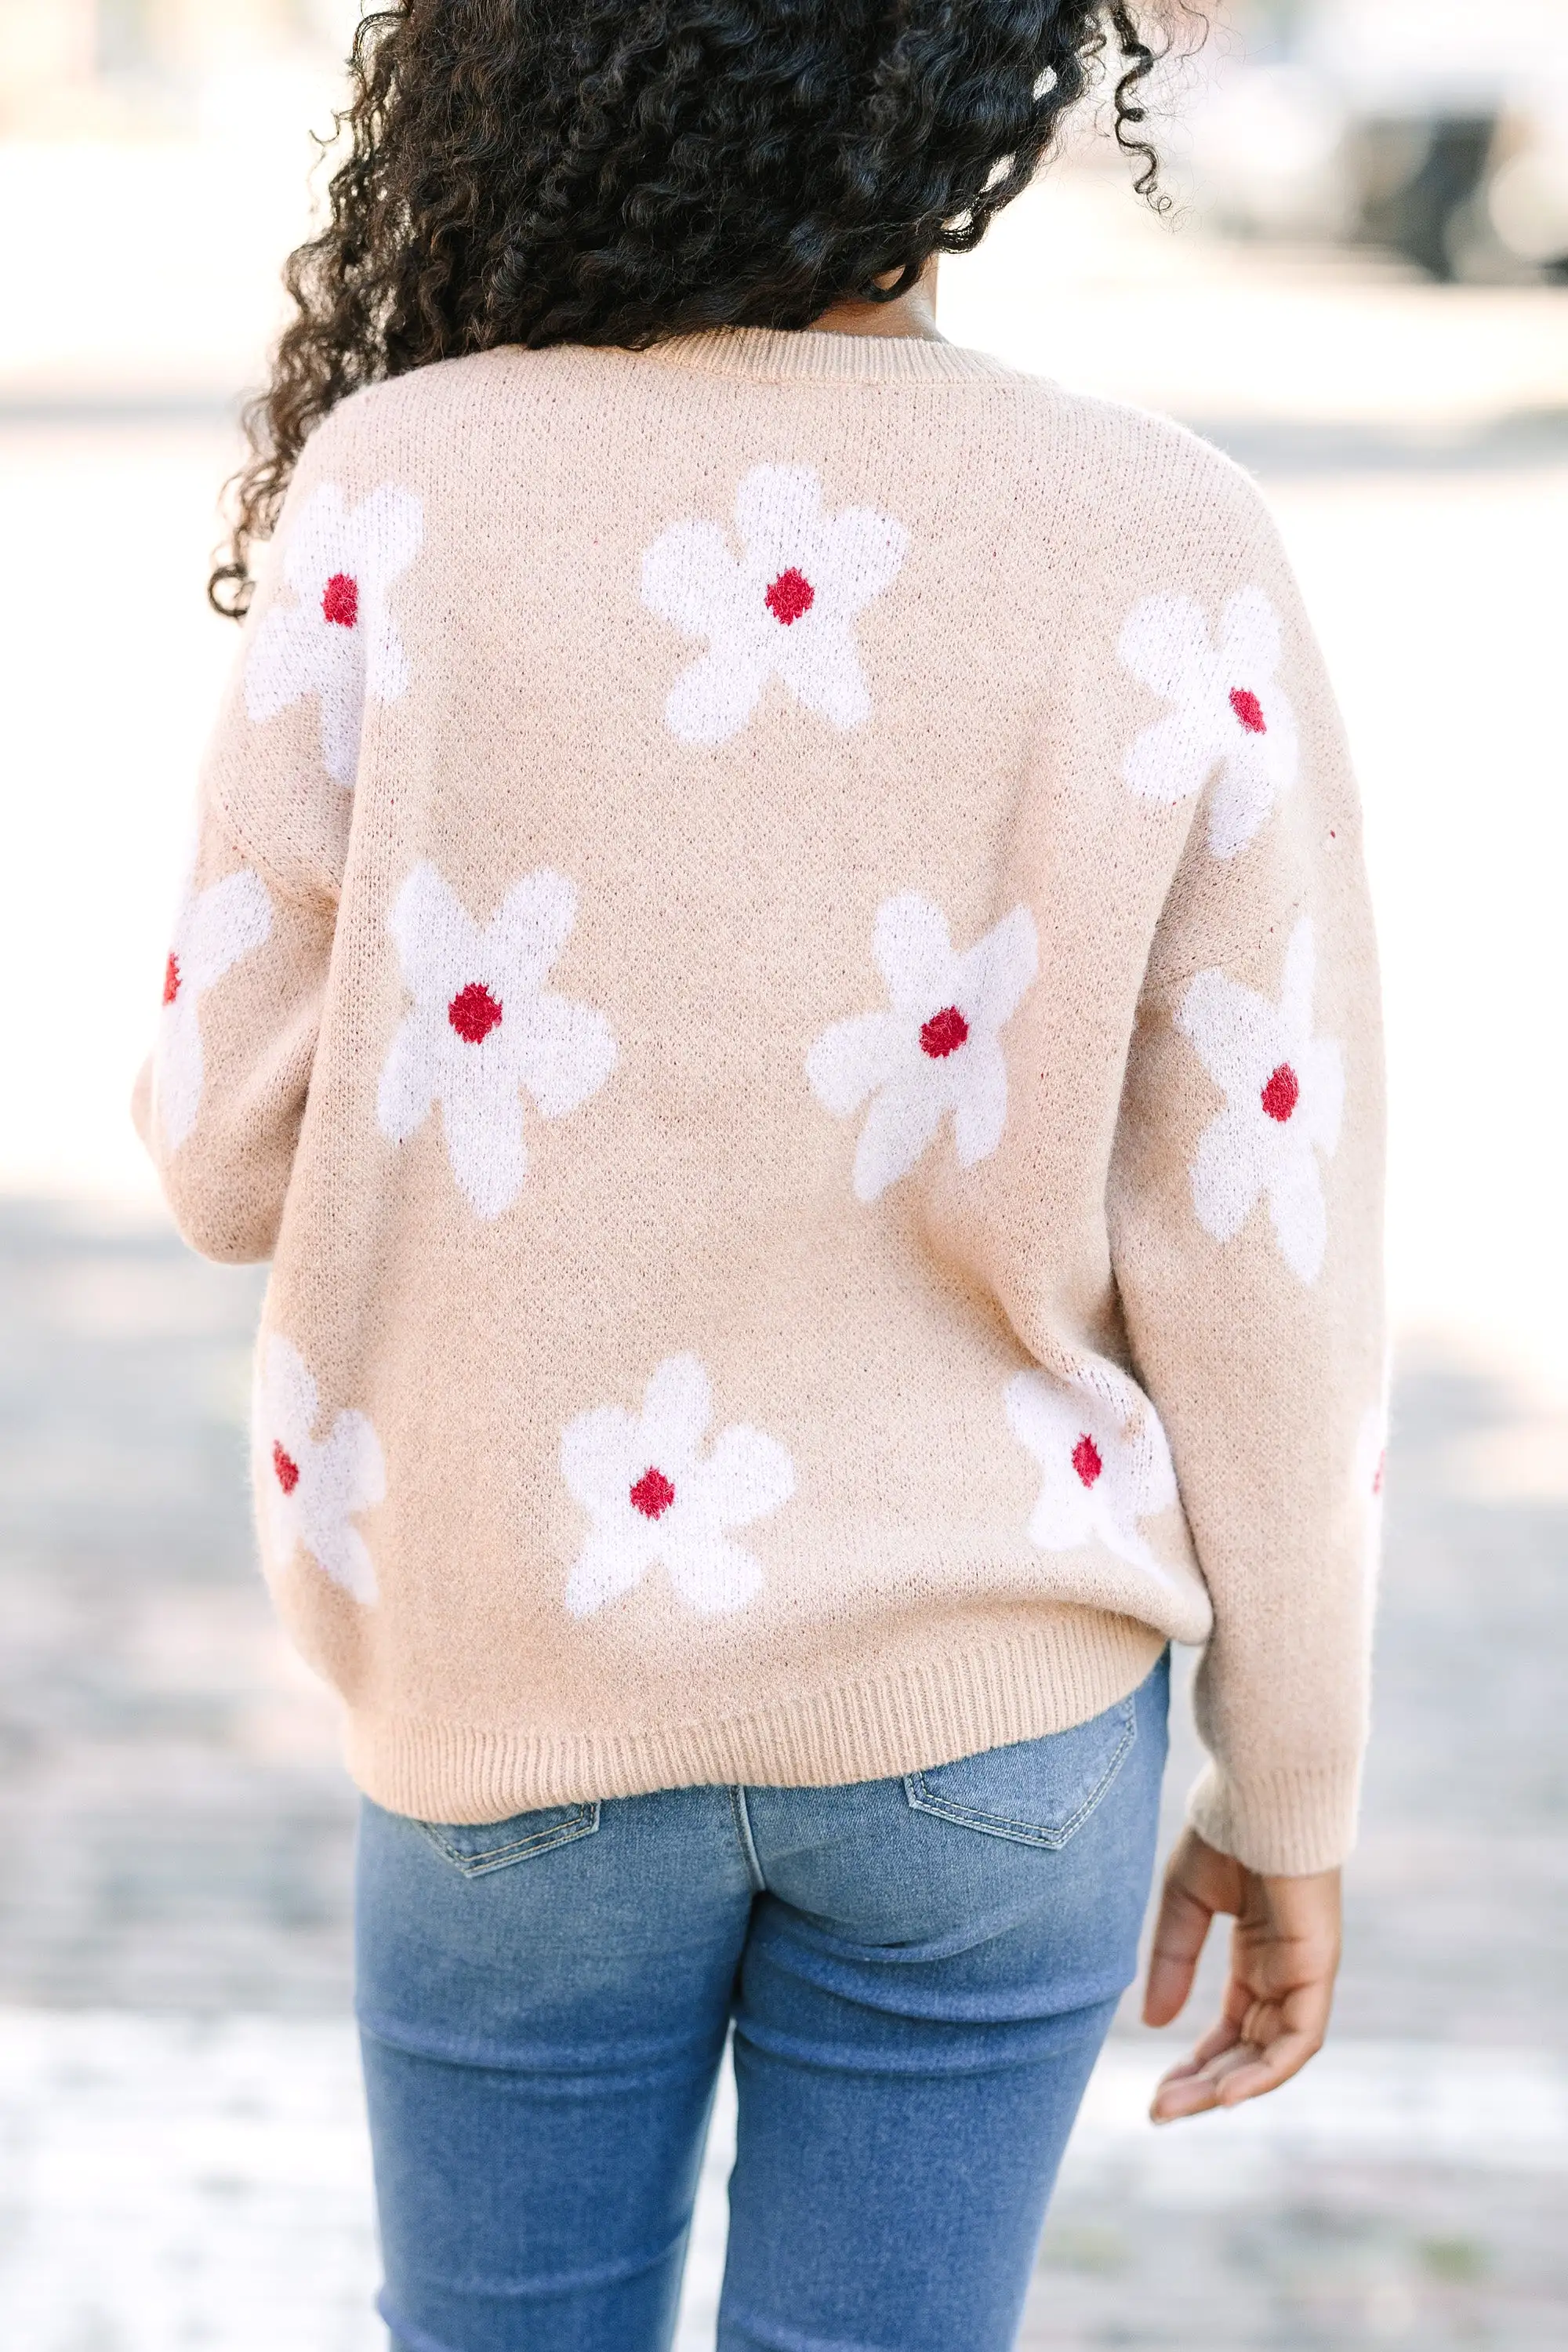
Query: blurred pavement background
(1362, 296)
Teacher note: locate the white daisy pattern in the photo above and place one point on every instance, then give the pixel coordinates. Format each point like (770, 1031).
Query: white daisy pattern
(338, 640)
(936, 1050)
(312, 1490)
(654, 1495)
(212, 930)
(1284, 1096)
(1104, 1462)
(1231, 718)
(483, 1029)
(785, 608)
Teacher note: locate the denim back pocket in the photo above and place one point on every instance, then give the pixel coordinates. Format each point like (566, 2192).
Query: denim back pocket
(1038, 1791)
(477, 1846)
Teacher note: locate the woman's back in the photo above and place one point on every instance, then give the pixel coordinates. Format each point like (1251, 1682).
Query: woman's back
(757, 785)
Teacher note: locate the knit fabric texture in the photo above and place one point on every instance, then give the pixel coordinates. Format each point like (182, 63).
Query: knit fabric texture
(778, 958)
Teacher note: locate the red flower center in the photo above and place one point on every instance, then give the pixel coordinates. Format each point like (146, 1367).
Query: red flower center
(1282, 1092)
(1248, 710)
(286, 1468)
(652, 1494)
(790, 595)
(1085, 1459)
(171, 978)
(473, 1013)
(944, 1033)
(339, 600)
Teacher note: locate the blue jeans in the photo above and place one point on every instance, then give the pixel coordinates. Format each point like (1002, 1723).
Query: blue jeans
(920, 1973)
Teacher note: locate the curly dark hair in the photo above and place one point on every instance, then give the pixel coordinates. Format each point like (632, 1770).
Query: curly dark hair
(543, 171)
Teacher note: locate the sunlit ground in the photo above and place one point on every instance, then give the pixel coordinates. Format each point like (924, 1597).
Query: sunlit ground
(180, 1829)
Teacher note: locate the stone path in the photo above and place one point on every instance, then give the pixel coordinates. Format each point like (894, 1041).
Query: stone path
(183, 2156)
(175, 2182)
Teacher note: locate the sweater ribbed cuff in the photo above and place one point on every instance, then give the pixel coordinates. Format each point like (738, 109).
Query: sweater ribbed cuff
(1284, 1824)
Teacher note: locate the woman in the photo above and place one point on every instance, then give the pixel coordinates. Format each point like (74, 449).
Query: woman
(778, 959)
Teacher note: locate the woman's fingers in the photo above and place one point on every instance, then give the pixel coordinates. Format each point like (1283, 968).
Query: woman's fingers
(1182, 2095)
(1223, 2035)
(1188, 2088)
(1198, 1883)
(1225, 2069)
(1179, 1935)
(1283, 2035)
(1264, 2070)
(1241, 2072)
(1199, 2084)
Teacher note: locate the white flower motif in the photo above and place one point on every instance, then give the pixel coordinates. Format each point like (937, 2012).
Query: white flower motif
(1285, 1092)
(1229, 714)
(786, 609)
(652, 1496)
(214, 928)
(1103, 1458)
(937, 1050)
(483, 1028)
(338, 641)
(311, 1491)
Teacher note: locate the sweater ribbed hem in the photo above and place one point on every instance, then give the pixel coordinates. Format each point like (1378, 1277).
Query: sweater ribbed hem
(777, 355)
(1287, 1823)
(904, 1722)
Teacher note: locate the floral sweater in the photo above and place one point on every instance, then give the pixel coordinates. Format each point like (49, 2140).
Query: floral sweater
(778, 958)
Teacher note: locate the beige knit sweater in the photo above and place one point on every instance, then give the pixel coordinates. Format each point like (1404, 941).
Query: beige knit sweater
(778, 958)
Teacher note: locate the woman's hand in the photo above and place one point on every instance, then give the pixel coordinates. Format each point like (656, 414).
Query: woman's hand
(1284, 1956)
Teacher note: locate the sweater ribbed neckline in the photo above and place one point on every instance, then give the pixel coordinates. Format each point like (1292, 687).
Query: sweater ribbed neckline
(816, 355)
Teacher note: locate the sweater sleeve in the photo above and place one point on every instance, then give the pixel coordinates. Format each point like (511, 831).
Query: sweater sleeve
(1245, 1209)
(220, 1100)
